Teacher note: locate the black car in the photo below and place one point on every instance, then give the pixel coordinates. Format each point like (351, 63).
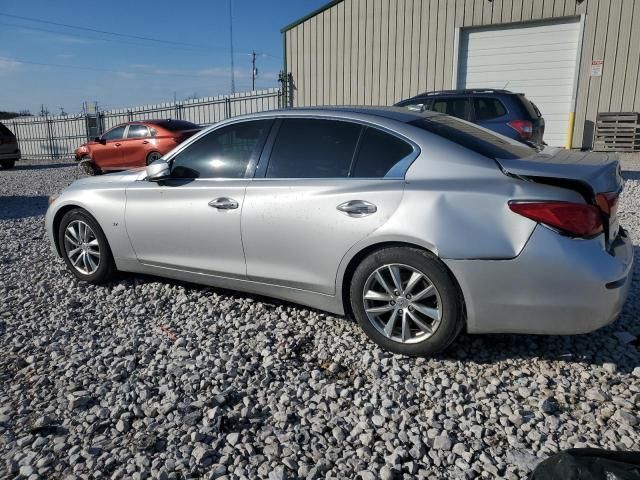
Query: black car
(9, 150)
(510, 114)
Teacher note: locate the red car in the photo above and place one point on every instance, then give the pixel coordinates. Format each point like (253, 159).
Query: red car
(133, 144)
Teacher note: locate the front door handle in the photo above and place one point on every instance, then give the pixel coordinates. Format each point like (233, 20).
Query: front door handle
(223, 203)
(144, 142)
(357, 208)
(117, 144)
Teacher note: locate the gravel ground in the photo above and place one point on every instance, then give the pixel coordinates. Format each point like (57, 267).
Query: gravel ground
(154, 378)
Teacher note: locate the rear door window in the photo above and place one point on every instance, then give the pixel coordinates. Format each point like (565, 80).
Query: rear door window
(456, 107)
(378, 152)
(487, 109)
(138, 131)
(313, 148)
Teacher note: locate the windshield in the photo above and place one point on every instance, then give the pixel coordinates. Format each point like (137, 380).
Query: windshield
(474, 138)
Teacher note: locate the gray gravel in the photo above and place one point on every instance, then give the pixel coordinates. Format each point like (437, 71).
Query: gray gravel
(153, 378)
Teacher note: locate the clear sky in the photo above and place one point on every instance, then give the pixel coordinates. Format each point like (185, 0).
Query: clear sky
(38, 60)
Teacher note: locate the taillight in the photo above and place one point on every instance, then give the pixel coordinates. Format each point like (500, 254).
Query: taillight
(574, 219)
(523, 127)
(608, 203)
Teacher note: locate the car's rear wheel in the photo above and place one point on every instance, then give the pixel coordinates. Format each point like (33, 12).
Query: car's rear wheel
(153, 156)
(84, 247)
(406, 301)
(7, 164)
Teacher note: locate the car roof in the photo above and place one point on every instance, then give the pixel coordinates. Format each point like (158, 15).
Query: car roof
(158, 122)
(399, 114)
(469, 91)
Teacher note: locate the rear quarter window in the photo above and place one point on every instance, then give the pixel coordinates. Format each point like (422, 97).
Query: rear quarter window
(378, 152)
(529, 107)
(5, 132)
(473, 137)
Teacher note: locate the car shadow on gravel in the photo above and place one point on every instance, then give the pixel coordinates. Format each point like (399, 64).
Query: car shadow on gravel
(43, 166)
(17, 207)
(596, 348)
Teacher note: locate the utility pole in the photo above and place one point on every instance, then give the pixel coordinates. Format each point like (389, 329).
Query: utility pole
(254, 70)
(233, 74)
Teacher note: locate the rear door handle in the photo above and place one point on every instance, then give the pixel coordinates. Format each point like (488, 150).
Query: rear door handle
(224, 203)
(117, 144)
(357, 208)
(145, 142)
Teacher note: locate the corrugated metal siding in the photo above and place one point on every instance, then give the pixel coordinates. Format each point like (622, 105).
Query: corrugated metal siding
(380, 51)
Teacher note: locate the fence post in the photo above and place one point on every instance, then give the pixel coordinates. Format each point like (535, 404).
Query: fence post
(50, 137)
(227, 107)
(286, 86)
(130, 115)
(178, 109)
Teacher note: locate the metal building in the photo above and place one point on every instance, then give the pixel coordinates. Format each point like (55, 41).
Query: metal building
(573, 58)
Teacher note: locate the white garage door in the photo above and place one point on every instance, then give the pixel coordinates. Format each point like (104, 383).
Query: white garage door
(537, 59)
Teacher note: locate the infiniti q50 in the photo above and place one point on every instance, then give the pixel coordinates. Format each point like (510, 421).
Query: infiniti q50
(418, 224)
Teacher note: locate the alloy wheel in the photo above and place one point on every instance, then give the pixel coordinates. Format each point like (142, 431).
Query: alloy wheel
(402, 303)
(82, 247)
(153, 156)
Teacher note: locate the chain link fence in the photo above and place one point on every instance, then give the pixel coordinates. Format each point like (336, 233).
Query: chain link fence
(56, 137)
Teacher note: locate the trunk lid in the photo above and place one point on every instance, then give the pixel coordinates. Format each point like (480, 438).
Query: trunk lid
(598, 173)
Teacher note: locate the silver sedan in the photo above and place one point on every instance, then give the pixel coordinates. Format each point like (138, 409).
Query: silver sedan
(418, 224)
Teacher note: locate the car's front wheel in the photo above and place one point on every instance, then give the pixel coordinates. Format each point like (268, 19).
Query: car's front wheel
(88, 166)
(406, 301)
(84, 247)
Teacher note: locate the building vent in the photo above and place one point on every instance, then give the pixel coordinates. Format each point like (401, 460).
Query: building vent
(617, 132)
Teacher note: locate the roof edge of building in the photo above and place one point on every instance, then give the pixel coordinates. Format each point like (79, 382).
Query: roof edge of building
(308, 16)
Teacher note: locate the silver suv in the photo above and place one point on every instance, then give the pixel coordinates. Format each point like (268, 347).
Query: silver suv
(9, 150)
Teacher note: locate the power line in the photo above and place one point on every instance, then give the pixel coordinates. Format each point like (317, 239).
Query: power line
(124, 42)
(106, 32)
(100, 39)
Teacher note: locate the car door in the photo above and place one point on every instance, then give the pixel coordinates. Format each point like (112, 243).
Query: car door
(107, 154)
(135, 146)
(192, 220)
(313, 198)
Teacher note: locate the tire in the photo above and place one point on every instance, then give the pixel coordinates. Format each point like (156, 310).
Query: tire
(434, 293)
(88, 166)
(104, 264)
(7, 164)
(152, 157)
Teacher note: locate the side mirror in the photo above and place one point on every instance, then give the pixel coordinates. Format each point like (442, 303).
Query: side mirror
(158, 171)
(419, 107)
(100, 140)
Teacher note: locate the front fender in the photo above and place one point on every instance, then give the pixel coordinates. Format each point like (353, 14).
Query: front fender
(105, 205)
